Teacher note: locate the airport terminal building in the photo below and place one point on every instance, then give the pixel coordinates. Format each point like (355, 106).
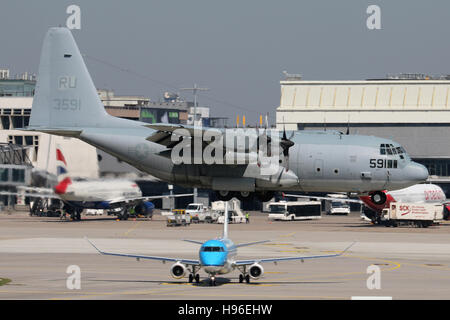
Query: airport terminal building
(411, 109)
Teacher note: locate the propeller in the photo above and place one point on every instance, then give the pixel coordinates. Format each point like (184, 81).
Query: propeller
(285, 144)
(348, 126)
(266, 139)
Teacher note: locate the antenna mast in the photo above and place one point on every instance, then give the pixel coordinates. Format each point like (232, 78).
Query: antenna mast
(194, 90)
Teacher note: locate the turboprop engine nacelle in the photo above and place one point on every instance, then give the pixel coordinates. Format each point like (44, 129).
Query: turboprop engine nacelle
(256, 271)
(178, 270)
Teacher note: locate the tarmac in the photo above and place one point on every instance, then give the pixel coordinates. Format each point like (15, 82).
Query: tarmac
(36, 255)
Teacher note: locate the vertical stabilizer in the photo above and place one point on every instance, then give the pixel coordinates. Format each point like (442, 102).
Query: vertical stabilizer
(61, 171)
(65, 95)
(225, 221)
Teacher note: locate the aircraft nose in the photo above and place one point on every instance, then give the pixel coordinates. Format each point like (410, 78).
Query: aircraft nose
(416, 172)
(212, 258)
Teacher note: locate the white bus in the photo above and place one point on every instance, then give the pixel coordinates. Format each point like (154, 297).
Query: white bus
(295, 210)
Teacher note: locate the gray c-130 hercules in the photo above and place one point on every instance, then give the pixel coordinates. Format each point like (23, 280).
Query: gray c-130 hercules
(66, 103)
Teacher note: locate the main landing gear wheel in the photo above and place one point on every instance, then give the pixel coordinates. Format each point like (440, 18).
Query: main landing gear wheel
(191, 278)
(197, 278)
(224, 195)
(244, 195)
(241, 278)
(378, 197)
(247, 278)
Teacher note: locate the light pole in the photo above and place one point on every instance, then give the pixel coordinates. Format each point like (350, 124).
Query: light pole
(194, 90)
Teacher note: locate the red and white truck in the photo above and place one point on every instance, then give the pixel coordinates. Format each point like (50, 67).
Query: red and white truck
(414, 214)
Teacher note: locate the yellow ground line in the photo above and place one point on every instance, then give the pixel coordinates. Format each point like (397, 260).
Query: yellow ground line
(443, 267)
(132, 228)
(289, 234)
(328, 275)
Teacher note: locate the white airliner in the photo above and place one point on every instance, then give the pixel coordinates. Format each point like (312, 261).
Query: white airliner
(217, 256)
(102, 194)
(110, 194)
(418, 193)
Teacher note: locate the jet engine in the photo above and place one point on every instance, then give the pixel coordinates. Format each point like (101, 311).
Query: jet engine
(256, 271)
(378, 197)
(178, 270)
(145, 208)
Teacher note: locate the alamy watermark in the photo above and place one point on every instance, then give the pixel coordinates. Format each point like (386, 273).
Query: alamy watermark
(374, 280)
(74, 19)
(73, 281)
(259, 147)
(373, 22)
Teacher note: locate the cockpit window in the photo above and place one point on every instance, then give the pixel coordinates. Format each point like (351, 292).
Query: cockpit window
(382, 148)
(212, 249)
(390, 149)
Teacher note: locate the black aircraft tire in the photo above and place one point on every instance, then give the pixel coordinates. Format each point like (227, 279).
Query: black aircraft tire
(225, 197)
(378, 197)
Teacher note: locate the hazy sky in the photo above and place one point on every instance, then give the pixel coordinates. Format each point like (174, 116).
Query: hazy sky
(238, 49)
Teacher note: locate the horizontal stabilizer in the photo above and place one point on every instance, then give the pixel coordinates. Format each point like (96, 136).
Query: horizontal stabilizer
(194, 241)
(251, 243)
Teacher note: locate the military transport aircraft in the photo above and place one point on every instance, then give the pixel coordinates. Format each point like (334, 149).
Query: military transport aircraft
(66, 103)
(217, 256)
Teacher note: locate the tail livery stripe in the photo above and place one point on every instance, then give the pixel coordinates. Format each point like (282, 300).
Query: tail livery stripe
(61, 170)
(61, 187)
(60, 156)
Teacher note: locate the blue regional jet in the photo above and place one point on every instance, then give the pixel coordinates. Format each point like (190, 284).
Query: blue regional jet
(216, 257)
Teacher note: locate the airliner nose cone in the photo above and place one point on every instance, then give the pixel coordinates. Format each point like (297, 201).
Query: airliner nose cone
(417, 172)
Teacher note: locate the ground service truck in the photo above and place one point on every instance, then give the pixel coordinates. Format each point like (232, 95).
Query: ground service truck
(421, 215)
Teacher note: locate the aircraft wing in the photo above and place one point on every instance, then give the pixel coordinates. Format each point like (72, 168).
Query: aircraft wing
(250, 262)
(131, 200)
(32, 195)
(165, 131)
(163, 259)
(324, 198)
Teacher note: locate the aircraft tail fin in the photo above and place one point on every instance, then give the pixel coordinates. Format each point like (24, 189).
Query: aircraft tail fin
(62, 173)
(225, 221)
(65, 95)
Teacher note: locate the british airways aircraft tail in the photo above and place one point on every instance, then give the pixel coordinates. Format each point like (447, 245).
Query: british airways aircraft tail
(62, 173)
